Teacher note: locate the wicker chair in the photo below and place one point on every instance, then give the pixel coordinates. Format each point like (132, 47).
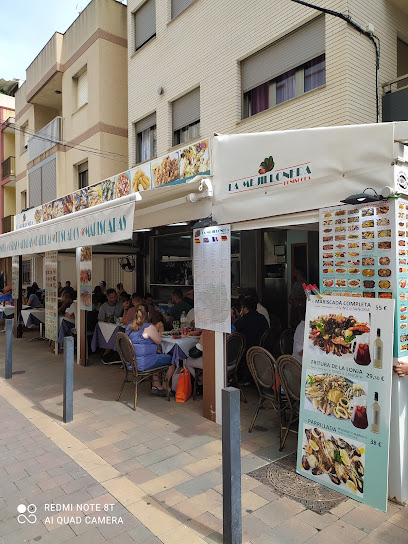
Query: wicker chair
(286, 341)
(235, 350)
(127, 355)
(270, 341)
(290, 376)
(262, 366)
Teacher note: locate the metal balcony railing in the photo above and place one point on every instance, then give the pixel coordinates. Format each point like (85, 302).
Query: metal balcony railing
(395, 100)
(8, 223)
(45, 139)
(8, 167)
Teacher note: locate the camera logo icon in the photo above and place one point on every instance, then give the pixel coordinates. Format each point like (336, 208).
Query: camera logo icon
(30, 510)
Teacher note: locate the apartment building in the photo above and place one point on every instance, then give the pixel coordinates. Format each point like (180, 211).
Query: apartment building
(197, 67)
(71, 111)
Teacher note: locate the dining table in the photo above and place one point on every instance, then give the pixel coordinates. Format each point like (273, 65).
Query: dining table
(65, 326)
(7, 312)
(33, 316)
(178, 345)
(104, 335)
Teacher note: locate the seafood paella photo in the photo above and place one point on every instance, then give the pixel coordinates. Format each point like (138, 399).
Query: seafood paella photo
(335, 333)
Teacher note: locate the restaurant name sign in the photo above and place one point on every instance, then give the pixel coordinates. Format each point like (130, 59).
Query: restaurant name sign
(90, 227)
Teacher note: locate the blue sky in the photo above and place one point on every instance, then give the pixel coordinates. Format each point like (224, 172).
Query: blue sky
(27, 25)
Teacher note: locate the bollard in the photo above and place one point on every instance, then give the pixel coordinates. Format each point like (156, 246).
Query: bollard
(231, 466)
(68, 400)
(9, 349)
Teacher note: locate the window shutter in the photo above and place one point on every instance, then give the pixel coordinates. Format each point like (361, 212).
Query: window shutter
(177, 6)
(145, 123)
(83, 167)
(82, 89)
(34, 187)
(49, 181)
(291, 51)
(145, 23)
(186, 110)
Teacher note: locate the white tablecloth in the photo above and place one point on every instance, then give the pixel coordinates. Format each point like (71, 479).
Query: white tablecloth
(185, 343)
(107, 329)
(38, 313)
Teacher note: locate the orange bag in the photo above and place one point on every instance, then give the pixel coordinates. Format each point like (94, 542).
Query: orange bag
(183, 392)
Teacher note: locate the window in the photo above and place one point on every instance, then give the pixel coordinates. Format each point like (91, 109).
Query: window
(24, 138)
(145, 23)
(186, 117)
(178, 6)
(145, 131)
(402, 62)
(23, 202)
(83, 175)
(81, 88)
(42, 182)
(286, 69)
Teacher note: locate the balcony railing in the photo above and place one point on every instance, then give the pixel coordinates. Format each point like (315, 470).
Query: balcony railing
(395, 100)
(45, 139)
(8, 167)
(8, 223)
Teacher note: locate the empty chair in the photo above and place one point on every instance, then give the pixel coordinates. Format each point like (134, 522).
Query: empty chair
(286, 341)
(262, 366)
(290, 376)
(235, 351)
(270, 341)
(127, 355)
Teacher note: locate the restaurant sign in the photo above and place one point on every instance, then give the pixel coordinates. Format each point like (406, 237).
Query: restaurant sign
(345, 396)
(110, 222)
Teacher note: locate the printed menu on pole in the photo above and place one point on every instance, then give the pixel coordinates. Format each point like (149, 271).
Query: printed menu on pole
(51, 295)
(15, 272)
(212, 278)
(85, 267)
(364, 253)
(345, 396)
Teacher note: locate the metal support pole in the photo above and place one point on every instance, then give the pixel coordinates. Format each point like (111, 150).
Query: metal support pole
(231, 466)
(68, 400)
(9, 349)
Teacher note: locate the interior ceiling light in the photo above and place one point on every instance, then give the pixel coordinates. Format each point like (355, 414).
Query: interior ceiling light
(142, 230)
(182, 224)
(363, 198)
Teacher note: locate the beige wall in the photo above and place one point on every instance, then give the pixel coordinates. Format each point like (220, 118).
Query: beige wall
(9, 146)
(9, 200)
(95, 40)
(178, 59)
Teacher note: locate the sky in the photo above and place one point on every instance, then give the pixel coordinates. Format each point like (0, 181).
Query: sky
(27, 25)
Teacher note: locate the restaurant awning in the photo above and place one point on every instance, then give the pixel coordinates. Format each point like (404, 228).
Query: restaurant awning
(108, 222)
(270, 174)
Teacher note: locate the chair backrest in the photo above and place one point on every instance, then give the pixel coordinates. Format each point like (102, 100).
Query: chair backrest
(126, 352)
(290, 376)
(262, 366)
(286, 341)
(270, 340)
(235, 348)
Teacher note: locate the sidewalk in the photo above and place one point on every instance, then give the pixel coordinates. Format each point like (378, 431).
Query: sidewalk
(160, 467)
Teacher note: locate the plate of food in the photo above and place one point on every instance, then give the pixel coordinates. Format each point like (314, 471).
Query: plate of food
(95, 195)
(335, 333)
(57, 208)
(166, 171)
(194, 159)
(81, 199)
(108, 190)
(122, 184)
(68, 203)
(141, 178)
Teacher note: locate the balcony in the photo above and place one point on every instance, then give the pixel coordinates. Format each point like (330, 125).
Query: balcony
(8, 168)
(8, 125)
(395, 100)
(7, 223)
(45, 139)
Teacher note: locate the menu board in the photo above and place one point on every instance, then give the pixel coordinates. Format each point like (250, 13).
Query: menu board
(345, 397)
(85, 279)
(364, 252)
(15, 272)
(172, 169)
(51, 295)
(212, 278)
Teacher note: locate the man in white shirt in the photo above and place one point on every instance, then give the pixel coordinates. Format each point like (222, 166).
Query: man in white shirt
(298, 341)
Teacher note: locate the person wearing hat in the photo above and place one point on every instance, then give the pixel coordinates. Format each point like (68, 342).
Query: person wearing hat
(7, 294)
(103, 286)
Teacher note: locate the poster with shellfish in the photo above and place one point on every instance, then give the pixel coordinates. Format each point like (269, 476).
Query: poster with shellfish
(364, 253)
(85, 278)
(345, 396)
(51, 295)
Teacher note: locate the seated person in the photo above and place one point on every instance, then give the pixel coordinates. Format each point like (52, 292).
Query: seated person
(59, 289)
(234, 316)
(299, 334)
(158, 321)
(195, 357)
(124, 297)
(98, 298)
(119, 289)
(145, 339)
(7, 294)
(259, 308)
(66, 301)
(179, 307)
(252, 324)
(113, 308)
(68, 289)
(72, 310)
(191, 318)
(32, 298)
(130, 307)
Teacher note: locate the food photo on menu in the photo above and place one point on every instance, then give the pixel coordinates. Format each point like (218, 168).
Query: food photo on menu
(333, 460)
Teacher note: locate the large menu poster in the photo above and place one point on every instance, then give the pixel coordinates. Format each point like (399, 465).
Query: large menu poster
(15, 272)
(212, 278)
(51, 295)
(364, 252)
(345, 397)
(85, 287)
